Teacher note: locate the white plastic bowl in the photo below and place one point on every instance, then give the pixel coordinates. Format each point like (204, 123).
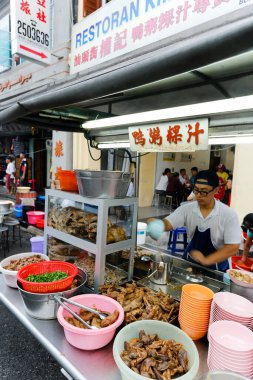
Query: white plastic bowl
(10, 276)
(164, 331)
(221, 375)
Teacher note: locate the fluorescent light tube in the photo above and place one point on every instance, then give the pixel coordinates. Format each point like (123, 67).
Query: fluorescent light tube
(175, 113)
(113, 145)
(230, 140)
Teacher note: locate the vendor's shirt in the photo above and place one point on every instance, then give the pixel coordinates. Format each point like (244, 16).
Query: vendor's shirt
(162, 184)
(10, 169)
(222, 221)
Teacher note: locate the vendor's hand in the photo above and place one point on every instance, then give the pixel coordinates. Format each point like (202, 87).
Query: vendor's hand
(198, 257)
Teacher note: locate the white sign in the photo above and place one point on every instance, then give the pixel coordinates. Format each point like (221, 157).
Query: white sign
(31, 29)
(124, 26)
(170, 136)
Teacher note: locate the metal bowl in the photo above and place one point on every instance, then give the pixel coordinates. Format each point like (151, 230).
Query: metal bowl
(5, 206)
(102, 183)
(44, 305)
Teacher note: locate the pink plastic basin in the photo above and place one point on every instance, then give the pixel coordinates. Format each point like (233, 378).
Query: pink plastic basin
(34, 216)
(87, 339)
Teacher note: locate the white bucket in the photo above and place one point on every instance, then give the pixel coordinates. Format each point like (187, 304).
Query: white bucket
(141, 233)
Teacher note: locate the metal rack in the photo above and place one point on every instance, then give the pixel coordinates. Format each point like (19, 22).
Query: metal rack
(100, 249)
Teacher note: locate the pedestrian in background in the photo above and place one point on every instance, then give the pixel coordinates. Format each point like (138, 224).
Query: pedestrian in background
(10, 175)
(23, 170)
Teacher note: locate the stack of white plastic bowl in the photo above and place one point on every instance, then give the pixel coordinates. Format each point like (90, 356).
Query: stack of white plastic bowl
(230, 348)
(231, 307)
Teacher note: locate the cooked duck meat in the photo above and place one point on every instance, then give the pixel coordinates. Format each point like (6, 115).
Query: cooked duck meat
(143, 303)
(141, 361)
(115, 233)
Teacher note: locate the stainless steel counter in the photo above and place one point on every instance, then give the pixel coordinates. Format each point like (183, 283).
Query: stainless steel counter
(81, 365)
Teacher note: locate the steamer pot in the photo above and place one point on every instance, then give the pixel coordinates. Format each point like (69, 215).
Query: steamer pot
(43, 305)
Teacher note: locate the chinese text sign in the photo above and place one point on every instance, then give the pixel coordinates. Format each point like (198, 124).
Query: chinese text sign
(170, 136)
(121, 27)
(31, 26)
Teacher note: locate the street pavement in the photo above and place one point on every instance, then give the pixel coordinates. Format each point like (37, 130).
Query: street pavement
(21, 356)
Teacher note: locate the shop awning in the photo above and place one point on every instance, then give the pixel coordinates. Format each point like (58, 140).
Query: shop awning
(183, 56)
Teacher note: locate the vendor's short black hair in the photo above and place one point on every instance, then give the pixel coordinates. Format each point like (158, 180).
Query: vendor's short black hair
(248, 221)
(209, 178)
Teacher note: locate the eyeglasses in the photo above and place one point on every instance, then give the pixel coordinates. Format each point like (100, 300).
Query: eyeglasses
(202, 193)
(247, 226)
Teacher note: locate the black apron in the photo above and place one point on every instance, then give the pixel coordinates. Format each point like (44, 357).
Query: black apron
(202, 242)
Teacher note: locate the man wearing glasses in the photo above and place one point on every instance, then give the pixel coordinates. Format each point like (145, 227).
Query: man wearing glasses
(213, 228)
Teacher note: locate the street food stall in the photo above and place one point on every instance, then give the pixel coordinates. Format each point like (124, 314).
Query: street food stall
(145, 282)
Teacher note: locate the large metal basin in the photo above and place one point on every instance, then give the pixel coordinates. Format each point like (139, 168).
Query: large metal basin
(5, 206)
(102, 183)
(44, 305)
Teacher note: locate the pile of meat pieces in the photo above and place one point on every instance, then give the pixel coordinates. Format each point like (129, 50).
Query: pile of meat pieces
(93, 320)
(82, 224)
(155, 358)
(142, 302)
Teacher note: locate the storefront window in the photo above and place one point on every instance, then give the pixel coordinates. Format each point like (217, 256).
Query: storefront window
(90, 6)
(5, 44)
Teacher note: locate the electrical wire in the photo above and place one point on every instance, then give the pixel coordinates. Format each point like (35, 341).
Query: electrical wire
(94, 159)
(219, 149)
(139, 155)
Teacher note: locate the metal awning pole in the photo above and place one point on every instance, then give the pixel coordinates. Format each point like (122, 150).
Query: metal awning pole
(137, 176)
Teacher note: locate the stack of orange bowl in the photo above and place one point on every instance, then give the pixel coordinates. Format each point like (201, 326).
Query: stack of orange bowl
(194, 310)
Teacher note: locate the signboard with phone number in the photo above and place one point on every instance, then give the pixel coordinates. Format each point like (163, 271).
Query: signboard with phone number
(31, 28)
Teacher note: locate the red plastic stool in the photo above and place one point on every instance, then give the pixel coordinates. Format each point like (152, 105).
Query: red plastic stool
(32, 183)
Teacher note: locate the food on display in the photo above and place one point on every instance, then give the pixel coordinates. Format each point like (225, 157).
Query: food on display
(241, 276)
(57, 247)
(138, 253)
(142, 302)
(47, 277)
(93, 320)
(155, 358)
(112, 275)
(15, 265)
(82, 224)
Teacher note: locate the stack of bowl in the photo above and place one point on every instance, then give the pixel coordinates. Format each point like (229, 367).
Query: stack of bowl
(232, 307)
(194, 310)
(230, 348)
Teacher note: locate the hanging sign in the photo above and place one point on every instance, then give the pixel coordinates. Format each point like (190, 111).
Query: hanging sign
(121, 27)
(171, 136)
(31, 28)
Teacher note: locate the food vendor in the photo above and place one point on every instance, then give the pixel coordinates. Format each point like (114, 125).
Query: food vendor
(248, 223)
(213, 228)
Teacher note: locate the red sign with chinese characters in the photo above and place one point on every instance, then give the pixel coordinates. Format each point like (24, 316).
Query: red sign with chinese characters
(170, 136)
(31, 28)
